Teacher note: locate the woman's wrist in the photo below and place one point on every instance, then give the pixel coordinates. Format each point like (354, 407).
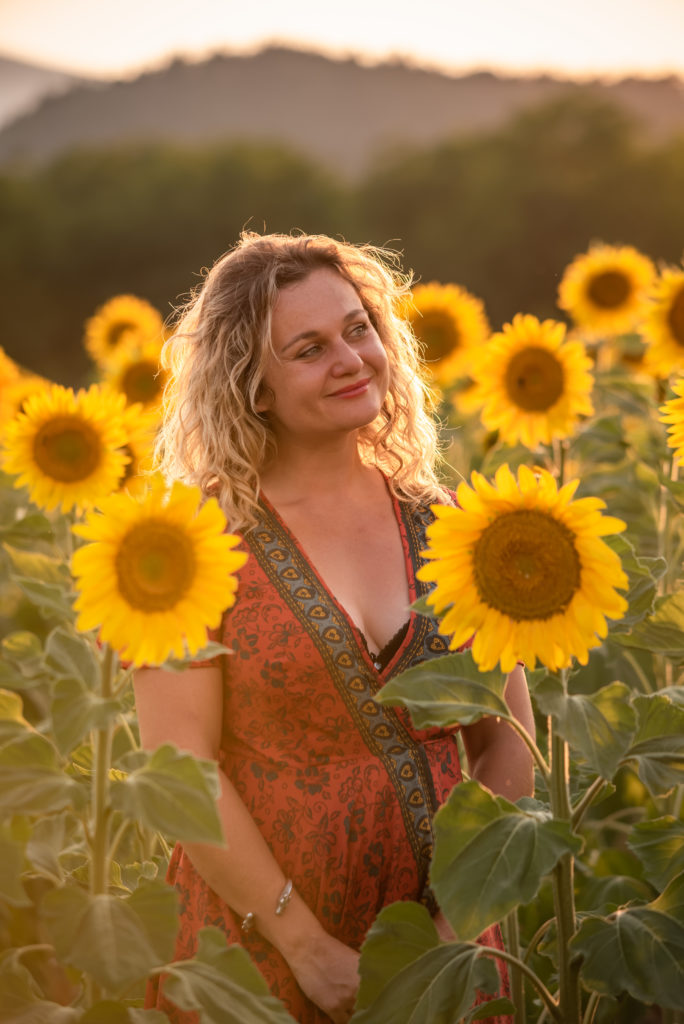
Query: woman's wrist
(295, 931)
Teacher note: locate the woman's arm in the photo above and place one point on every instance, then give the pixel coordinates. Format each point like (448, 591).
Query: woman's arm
(186, 710)
(497, 756)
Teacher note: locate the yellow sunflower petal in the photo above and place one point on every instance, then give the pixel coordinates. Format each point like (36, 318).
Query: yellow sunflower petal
(66, 447)
(163, 574)
(534, 385)
(537, 583)
(605, 290)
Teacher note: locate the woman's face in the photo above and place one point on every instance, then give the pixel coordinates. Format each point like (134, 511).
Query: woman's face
(330, 372)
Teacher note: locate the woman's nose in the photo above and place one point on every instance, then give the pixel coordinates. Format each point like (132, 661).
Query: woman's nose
(346, 358)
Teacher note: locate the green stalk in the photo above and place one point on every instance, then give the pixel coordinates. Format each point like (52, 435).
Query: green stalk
(548, 1000)
(585, 802)
(530, 744)
(101, 811)
(570, 999)
(512, 936)
(592, 1006)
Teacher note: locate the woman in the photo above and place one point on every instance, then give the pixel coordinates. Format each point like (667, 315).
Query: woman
(296, 397)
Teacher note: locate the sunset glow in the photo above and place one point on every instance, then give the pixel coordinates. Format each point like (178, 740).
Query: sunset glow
(585, 38)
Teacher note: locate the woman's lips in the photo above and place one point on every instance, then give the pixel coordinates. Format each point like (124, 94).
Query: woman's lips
(353, 389)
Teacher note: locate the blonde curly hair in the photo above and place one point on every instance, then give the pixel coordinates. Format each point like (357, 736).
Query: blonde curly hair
(212, 434)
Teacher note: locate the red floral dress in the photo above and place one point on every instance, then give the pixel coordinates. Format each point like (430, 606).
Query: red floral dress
(343, 789)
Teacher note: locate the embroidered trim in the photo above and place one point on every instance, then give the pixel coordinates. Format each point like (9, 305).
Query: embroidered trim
(381, 727)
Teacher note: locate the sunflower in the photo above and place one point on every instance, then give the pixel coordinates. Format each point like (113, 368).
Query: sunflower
(121, 321)
(450, 323)
(673, 415)
(523, 567)
(136, 372)
(663, 326)
(158, 572)
(141, 427)
(16, 392)
(605, 290)
(9, 371)
(533, 384)
(63, 446)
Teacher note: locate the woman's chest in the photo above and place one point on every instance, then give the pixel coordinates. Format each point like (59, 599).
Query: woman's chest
(364, 567)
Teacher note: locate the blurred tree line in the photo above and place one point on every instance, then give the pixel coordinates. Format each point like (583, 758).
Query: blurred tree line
(501, 214)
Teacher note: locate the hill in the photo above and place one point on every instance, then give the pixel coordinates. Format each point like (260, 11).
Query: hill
(23, 86)
(339, 112)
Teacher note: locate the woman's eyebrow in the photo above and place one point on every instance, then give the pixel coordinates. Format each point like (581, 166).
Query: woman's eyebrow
(314, 333)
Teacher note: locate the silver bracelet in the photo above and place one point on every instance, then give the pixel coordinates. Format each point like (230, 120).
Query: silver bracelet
(249, 919)
(247, 922)
(284, 898)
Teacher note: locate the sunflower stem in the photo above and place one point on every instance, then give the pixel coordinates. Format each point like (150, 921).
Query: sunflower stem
(512, 933)
(531, 745)
(584, 803)
(537, 937)
(549, 1001)
(592, 1006)
(570, 1000)
(638, 670)
(559, 449)
(102, 742)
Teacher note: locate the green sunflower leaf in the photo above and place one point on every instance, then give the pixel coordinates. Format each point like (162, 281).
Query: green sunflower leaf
(31, 779)
(76, 710)
(598, 727)
(642, 575)
(659, 845)
(504, 850)
(173, 793)
(69, 653)
(38, 566)
(440, 986)
(658, 744)
(400, 934)
(52, 600)
(22, 1000)
(12, 860)
(223, 984)
(22, 665)
(662, 632)
(446, 691)
(639, 950)
(211, 650)
(116, 940)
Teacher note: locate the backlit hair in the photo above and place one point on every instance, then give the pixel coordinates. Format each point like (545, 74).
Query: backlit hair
(212, 434)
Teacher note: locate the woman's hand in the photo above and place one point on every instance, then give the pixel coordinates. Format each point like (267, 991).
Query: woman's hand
(328, 974)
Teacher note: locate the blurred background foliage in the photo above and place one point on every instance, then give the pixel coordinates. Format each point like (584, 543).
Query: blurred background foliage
(500, 213)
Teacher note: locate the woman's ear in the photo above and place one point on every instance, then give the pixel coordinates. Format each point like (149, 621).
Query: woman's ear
(264, 400)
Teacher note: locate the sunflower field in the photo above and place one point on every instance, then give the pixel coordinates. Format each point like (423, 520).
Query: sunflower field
(563, 441)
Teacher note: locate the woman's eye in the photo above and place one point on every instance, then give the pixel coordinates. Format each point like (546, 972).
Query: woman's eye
(310, 350)
(361, 328)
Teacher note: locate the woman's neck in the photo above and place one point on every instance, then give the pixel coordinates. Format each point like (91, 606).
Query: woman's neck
(298, 472)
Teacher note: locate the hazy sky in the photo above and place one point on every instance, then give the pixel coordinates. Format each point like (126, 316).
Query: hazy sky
(577, 37)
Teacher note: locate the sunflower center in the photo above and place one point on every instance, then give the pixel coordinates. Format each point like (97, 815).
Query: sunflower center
(67, 449)
(439, 334)
(142, 381)
(117, 330)
(155, 566)
(675, 317)
(609, 289)
(534, 379)
(526, 565)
